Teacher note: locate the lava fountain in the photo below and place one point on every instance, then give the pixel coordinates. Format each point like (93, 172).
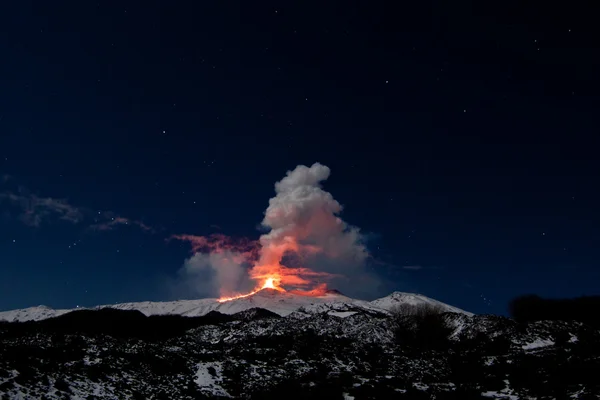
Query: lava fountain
(269, 283)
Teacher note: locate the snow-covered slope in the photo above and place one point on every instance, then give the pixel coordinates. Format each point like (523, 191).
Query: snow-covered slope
(31, 314)
(282, 303)
(397, 298)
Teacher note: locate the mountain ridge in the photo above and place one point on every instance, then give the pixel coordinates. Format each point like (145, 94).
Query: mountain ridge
(281, 303)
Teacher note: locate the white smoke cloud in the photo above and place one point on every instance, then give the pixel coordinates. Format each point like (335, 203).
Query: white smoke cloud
(304, 219)
(307, 243)
(212, 275)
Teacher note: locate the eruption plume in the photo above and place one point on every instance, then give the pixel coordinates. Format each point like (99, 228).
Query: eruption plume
(307, 244)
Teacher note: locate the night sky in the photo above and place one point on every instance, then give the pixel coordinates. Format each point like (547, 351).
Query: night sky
(461, 138)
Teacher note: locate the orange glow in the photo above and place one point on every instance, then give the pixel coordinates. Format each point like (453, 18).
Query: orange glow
(224, 299)
(270, 273)
(271, 282)
(320, 290)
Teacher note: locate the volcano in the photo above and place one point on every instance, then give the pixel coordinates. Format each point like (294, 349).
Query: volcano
(274, 300)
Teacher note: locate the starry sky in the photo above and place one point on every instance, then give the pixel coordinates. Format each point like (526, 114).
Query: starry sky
(461, 138)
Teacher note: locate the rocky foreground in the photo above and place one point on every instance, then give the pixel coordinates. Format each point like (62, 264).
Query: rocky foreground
(257, 354)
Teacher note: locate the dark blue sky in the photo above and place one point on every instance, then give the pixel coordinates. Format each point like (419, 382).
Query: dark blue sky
(462, 139)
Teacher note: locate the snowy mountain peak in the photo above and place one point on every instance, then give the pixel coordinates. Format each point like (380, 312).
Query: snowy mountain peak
(31, 314)
(396, 299)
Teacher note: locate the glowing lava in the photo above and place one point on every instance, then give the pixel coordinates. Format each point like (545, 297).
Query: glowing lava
(269, 283)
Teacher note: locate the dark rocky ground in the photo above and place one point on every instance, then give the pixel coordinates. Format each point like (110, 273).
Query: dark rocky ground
(256, 354)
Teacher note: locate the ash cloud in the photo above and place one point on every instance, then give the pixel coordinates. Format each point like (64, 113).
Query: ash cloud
(307, 243)
(213, 275)
(304, 219)
(218, 267)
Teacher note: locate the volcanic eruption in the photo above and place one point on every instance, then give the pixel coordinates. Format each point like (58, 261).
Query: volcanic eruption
(306, 246)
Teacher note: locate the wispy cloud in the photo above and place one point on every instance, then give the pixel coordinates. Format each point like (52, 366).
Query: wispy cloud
(113, 222)
(412, 267)
(417, 267)
(35, 210)
(219, 243)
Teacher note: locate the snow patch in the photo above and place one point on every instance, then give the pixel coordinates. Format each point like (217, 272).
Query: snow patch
(489, 360)
(209, 378)
(573, 339)
(506, 393)
(538, 344)
(341, 314)
(500, 395)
